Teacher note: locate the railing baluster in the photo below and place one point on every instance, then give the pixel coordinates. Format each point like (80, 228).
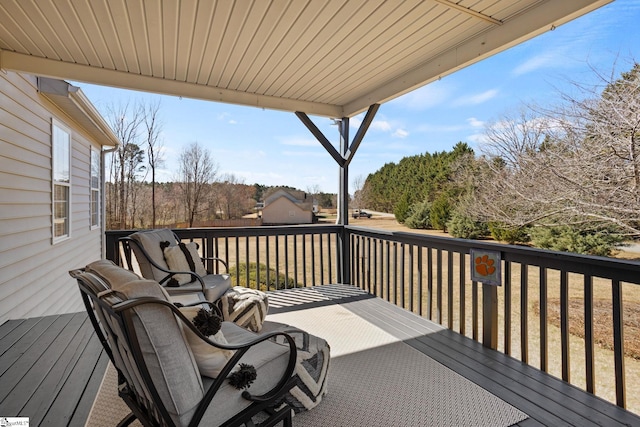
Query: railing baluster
(238, 261)
(295, 260)
(286, 259)
(450, 290)
(277, 261)
(395, 273)
(321, 260)
(419, 265)
(463, 303)
(313, 262)
(429, 283)
(618, 344)
(524, 313)
(411, 278)
(564, 325)
(330, 260)
(474, 309)
(544, 334)
(402, 268)
(268, 264)
(388, 269)
(588, 335)
(368, 264)
(246, 260)
(507, 307)
(375, 267)
(304, 258)
(439, 286)
(257, 239)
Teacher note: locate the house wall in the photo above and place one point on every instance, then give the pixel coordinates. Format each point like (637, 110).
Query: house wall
(34, 279)
(283, 211)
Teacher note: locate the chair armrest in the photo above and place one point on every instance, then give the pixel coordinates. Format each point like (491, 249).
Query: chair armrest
(220, 260)
(284, 384)
(127, 241)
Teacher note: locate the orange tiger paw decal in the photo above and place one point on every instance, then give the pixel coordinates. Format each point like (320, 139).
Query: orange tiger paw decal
(484, 266)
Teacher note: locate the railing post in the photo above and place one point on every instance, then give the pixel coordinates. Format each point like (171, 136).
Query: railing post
(490, 316)
(344, 256)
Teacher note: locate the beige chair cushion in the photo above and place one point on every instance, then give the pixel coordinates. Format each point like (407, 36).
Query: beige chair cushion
(168, 357)
(150, 241)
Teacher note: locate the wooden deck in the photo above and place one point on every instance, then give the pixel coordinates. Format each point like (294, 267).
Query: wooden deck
(51, 367)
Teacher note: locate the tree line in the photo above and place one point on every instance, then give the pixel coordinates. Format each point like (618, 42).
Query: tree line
(564, 177)
(198, 192)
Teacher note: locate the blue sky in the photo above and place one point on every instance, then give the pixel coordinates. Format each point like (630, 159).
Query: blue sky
(275, 148)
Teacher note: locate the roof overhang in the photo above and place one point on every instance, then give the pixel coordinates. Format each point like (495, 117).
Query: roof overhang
(72, 101)
(326, 58)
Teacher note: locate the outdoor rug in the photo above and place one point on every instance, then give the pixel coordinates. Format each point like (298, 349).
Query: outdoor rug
(374, 379)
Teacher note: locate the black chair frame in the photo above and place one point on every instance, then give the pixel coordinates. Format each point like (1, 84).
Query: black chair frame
(155, 413)
(128, 241)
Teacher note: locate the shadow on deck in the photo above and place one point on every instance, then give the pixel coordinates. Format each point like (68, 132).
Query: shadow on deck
(51, 367)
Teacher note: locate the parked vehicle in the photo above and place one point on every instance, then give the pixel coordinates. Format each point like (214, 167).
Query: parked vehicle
(361, 214)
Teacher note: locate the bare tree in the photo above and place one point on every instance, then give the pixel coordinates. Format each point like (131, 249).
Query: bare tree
(358, 183)
(576, 165)
(126, 162)
(234, 198)
(153, 127)
(196, 171)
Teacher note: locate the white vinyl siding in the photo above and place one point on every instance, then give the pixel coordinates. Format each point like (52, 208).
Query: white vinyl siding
(34, 278)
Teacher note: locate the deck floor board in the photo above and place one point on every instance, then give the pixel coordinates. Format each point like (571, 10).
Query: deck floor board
(51, 368)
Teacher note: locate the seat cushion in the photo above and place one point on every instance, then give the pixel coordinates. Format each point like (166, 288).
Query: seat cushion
(269, 359)
(215, 286)
(171, 364)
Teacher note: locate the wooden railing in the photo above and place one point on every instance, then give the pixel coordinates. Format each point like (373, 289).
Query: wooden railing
(430, 276)
(543, 310)
(286, 257)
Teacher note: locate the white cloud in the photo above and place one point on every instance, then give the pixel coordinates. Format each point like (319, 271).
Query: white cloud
(400, 133)
(428, 96)
(299, 141)
(476, 99)
(304, 153)
(544, 60)
(381, 125)
(473, 122)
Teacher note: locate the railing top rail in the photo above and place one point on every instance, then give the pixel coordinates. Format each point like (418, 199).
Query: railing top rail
(596, 266)
(243, 231)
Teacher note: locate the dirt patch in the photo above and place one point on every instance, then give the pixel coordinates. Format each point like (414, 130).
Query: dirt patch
(602, 329)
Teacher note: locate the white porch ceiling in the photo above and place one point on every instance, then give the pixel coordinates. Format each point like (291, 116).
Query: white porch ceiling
(329, 58)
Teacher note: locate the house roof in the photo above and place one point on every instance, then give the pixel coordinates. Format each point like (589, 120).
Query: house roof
(76, 105)
(327, 58)
(294, 196)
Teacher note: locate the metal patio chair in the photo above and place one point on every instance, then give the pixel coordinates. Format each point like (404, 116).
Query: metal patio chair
(144, 336)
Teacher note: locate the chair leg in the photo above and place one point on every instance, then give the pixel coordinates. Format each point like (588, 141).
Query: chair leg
(127, 420)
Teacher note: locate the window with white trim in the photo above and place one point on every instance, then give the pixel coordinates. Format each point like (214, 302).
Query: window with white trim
(61, 153)
(95, 189)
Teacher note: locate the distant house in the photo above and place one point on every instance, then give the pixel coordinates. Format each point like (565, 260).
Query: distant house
(52, 144)
(284, 206)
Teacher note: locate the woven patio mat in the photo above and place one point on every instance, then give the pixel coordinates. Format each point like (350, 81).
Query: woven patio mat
(374, 380)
